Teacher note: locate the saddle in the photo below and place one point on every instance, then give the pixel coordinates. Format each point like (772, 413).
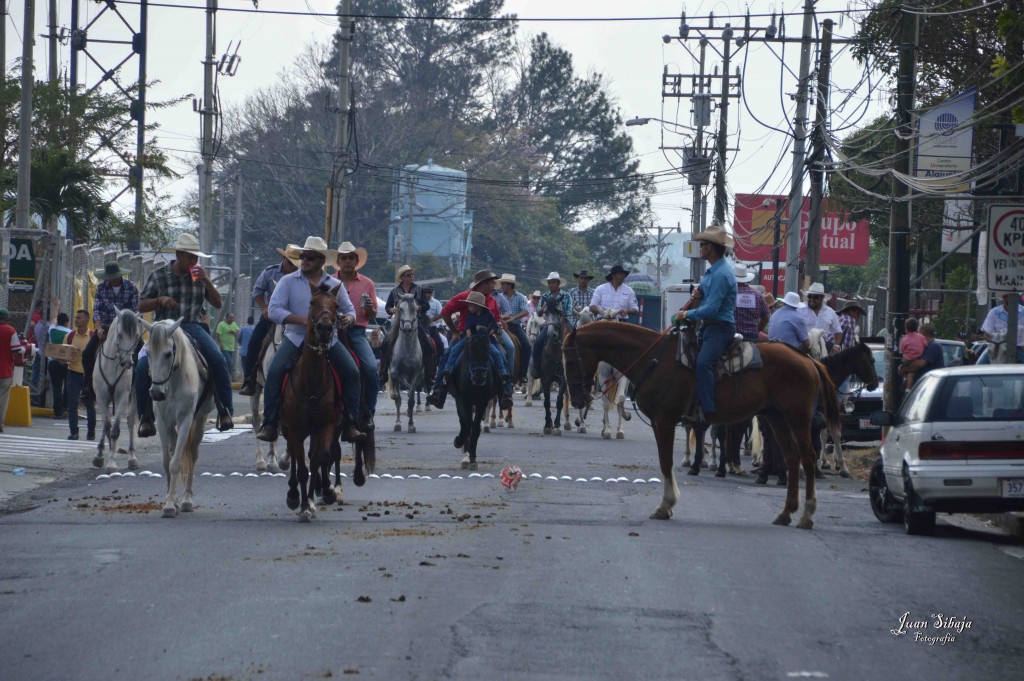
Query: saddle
(739, 356)
(338, 389)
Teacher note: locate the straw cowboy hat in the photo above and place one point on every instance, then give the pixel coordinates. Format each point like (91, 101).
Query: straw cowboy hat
(507, 279)
(715, 234)
(482, 276)
(292, 252)
(552, 276)
(743, 275)
(477, 298)
(347, 248)
(402, 270)
(582, 274)
(792, 299)
(111, 270)
(770, 301)
(616, 270)
(318, 245)
(816, 289)
(187, 243)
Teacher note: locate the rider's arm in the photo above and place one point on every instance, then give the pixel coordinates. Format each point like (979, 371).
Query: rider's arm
(634, 305)
(212, 294)
(345, 306)
(597, 301)
(278, 309)
(713, 297)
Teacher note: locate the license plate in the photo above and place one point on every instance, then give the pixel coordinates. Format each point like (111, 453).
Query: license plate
(865, 424)
(1013, 488)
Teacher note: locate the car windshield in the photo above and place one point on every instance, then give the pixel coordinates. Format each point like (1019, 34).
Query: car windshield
(982, 398)
(879, 356)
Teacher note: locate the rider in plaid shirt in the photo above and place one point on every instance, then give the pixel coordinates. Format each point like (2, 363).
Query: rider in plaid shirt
(580, 297)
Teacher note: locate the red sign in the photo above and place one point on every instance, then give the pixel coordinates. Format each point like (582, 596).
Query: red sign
(842, 242)
(767, 277)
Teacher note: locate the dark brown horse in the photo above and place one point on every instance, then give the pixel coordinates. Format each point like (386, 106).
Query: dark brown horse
(784, 392)
(309, 408)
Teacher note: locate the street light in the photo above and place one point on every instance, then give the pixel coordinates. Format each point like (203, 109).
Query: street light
(633, 122)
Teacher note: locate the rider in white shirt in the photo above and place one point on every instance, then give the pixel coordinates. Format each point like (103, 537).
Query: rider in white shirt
(818, 315)
(615, 298)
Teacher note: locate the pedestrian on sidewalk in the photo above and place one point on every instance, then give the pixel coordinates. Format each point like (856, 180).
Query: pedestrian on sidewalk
(227, 338)
(55, 368)
(10, 345)
(79, 338)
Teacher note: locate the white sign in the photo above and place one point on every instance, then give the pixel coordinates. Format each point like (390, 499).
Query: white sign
(1006, 248)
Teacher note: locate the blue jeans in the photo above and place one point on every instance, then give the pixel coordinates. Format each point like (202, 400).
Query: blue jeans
(343, 364)
(367, 364)
(214, 359)
(252, 352)
(229, 359)
(451, 357)
(75, 381)
(510, 351)
(714, 339)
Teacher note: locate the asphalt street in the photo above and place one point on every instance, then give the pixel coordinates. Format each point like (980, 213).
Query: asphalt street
(433, 572)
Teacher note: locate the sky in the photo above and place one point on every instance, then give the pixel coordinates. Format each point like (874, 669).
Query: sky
(630, 54)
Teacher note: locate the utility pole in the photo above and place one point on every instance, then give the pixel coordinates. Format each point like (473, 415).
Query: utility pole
(238, 226)
(208, 109)
(796, 194)
(22, 216)
(337, 191)
(721, 197)
(696, 178)
(138, 113)
(899, 211)
(817, 170)
(659, 251)
(52, 37)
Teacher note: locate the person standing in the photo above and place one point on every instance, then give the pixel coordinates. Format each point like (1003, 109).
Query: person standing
(931, 358)
(615, 299)
(717, 311)
(363, 294)
(752, 312)
(79, 338)
(227, 339)
(57, 369)
(114, 292)
(436, 323)
(580, 296)
(261, 292)
(10, 345)
(996, 324)
(516, 320)
(244, 334)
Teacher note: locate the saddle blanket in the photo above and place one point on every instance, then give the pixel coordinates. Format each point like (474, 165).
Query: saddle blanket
(740, 356)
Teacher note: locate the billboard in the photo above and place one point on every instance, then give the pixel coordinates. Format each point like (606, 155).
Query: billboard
(843, 242)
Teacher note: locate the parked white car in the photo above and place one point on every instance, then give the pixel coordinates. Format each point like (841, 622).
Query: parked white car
(955, 446)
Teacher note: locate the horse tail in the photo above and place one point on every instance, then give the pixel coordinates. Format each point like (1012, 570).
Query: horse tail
(756, 441)
(829, 398)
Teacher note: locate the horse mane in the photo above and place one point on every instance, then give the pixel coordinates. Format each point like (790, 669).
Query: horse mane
(129, 323)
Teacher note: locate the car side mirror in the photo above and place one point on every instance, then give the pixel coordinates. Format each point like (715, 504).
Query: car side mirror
(882, 418)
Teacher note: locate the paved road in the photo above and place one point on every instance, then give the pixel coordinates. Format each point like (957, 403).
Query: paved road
(435, 577)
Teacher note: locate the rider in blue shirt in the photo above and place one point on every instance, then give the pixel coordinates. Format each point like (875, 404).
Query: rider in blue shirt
(717, 311)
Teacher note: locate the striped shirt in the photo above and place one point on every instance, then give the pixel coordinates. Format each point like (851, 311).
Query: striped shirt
(849, 327)
(190, 295)
(516, 303)
(580, 298)
(750, 310)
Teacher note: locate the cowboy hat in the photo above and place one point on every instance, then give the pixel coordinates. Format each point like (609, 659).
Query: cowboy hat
(770, 301)
(792, 299)
(187, 243)
(402, 270)
(582, 274)
(535, 294)
(292, 252)
(346, 248)
(816, 289)
(482, 276)
(477, 298)
(743, 275)
(318, 245)
(508, 279)
(853, 305)
(616, 270)
(715, 234)
(552, 276)
(111, 270)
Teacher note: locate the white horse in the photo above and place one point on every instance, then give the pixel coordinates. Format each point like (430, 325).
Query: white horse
(533, 326)
(613, 386)
(273, 460)
(182, 393)
(406, 359)
(112, 379)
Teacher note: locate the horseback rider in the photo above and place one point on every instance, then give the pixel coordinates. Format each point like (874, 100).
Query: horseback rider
(752, 312)
(818, 315)
(289, 305)
(181, 289)
(362, 291)
(615, 298)
(436, 323)
(261, 292)
(114, 292)
(406, 286)
(788, 324)
(718, 312)
(555, 301)
(515, 321)
(580, 296)
(483, 283)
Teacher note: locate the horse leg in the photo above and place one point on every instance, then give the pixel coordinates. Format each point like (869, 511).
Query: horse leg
(687, 434)
(190, 457)
(837, 443)
(529, 384)
(336, 458)
(489, 409)
(719, 442)
(664, 434)
(295, 451)
(323, 460)
(474, 434)
(545, 388)
(804, 446)
(563, 409)
(305, 515)
(254, 408)
(756, 444)
(792, 453)
(172, 466)
(99, 459)
(413, 395)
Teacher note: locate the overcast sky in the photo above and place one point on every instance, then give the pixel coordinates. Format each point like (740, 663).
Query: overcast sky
(631, 54)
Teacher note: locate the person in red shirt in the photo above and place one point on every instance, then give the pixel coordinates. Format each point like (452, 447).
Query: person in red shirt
(10, 345)
(483, 286)
(363, 294)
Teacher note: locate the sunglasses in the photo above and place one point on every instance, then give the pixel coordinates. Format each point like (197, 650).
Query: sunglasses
(311, 256)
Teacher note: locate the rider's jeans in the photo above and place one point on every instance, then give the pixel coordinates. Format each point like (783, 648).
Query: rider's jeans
(343, 364)
(367, 364)
(214, 359)
(259, 333)
(510, 351)
(714, 339)
(454, 354)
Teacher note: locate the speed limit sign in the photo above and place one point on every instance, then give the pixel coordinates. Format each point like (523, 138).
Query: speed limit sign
(1006, 248)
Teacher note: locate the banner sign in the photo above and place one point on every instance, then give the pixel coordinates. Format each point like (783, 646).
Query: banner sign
(843, 242)
(23, 265)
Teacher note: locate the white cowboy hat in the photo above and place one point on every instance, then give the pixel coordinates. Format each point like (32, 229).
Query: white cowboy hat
(402, 270)
(743, 275)
(292, 252)
(187, 243)
(347, 248)
(535, 294)
(792, 299)
(553, 275)
(715, 234)
(318, 245)
(816, 289)
(507, 279)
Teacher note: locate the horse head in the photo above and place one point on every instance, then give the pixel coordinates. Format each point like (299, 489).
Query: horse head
(162, 350)
(408, 313)
(580, 367)
(479, 352)
(584, 317)
(865, 369)
(323, 314)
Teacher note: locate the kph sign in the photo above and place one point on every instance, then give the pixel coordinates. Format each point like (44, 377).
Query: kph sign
(1006, 248)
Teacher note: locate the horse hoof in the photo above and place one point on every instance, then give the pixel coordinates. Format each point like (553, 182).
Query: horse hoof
(112, 467)
(844, 474)
(398, 428)
(412, 429)
(293, 499)
(473, 465)
(606, 436)
(567, 426)
(306, 516)
(500, 424)
(358, 477)
(661, 514)
(627, 416)
(187, 507)
(459, 441)
(133, 464)
(283, 463)
(693, 470)
(782, 519)
(329, 496)
(818, 475)
(805, 524)
(464, 465)
(487, 429)
(719, 474)
(547, 431)
(261, 466)
(511, 426)
(582, 429)
(620, 436)
(98, 461)
(169, 512)
(556, 431)
(337, 494)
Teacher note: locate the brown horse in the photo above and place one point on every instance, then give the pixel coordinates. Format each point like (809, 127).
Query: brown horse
(309, 408)
(784, 392)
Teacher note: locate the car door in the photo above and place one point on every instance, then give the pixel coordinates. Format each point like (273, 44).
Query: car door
(912, 428)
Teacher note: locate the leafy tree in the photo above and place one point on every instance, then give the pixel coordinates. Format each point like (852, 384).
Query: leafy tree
(956, 308)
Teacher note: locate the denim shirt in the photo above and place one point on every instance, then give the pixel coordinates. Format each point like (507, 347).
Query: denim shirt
(292, 295)
(719, 288)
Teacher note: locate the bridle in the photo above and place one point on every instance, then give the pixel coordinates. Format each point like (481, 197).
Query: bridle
(407, 325)
(121, 357)
(174, 365)
(319, 347)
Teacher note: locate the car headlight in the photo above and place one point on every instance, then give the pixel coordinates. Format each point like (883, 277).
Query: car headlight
(848, 406)
(854, 384)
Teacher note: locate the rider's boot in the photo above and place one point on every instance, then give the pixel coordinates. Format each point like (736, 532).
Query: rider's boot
(268, 431)
(224, 420)
(439, 392)
(249, 384)
(351, 432)
(147, 424)
(505, 400)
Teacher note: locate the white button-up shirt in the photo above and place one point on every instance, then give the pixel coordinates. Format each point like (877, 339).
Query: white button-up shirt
(997, 321)
(607, 297)
(292, 295)
(825, 319)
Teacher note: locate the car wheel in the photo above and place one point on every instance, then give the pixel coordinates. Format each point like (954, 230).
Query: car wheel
(916, 522)
(883, 504)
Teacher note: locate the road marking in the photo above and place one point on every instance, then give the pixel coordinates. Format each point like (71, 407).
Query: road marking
(214, 435)
(36, 452)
